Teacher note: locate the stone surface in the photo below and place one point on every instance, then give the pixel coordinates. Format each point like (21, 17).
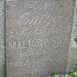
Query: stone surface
(72, 59)
(2, 52)
(38, 36)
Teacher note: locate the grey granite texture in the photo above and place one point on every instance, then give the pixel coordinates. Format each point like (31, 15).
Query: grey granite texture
(2, 52)
(72, 58)
(38, 36)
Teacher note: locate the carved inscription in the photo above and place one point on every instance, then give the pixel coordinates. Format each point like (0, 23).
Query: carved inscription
(42, 20)
(30, 43)
(34, 25)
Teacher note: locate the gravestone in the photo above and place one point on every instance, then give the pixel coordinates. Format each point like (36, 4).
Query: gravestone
(2, 48)
(37, 36)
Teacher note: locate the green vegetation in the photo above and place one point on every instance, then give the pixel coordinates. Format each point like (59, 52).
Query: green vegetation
(56, 75)
(34, 75)
(70, 74)
(75, 39)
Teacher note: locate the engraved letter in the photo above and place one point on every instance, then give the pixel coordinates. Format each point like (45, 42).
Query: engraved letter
(12, 45)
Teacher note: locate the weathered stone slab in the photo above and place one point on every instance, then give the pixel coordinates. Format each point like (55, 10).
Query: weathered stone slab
(72, 59)
(38, 36)
(2, 51)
